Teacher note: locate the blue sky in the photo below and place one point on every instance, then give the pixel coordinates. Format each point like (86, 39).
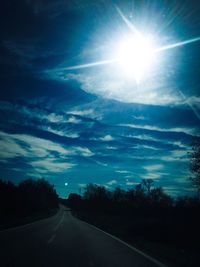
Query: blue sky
(95, 124)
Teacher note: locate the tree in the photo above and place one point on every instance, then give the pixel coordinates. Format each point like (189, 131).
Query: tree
(74, 200)
(147, 185)
(96, 192)
(38, 195)
(118, 194)
(195, 166)
(158, 196)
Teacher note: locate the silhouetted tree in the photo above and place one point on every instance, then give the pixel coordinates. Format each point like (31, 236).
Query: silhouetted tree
(147, 185)
(8, 198)
(28, 197)
(195, 166)
(74, 200)
(38, 194)
(118, 195)
(159, 197)
(95, 192)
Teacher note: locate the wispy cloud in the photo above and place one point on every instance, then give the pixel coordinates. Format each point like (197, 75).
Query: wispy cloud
(73, 119)
(111, 147)
(151, 176)
(9, 148)
(62, 132)
(42, 155)
(50, 165)
(148, 147)
(131, 183)
(190, 131)
(176, 155)
(107, 138)
(154, 167)
(112, 182)
(52, 117)
(83, 113)
(84, 151)
(117, 88)
(82, 185)
(123, 171)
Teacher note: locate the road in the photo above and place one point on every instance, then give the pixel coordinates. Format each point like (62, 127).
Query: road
(65, 241)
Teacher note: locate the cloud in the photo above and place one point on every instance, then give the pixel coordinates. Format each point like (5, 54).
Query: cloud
(111, 147)
(143, 137)
(72, 135)
(9, 148)
(50, 165)
(13, 145)
(149, 147)
(155, 167)
(83, 113)
(139, 117)
(172, 190)
(116, 87)
(52, 117)
(107, 138)
(152, 176)
(176, 155)
(39, 147)
(62, 132)
(112, 182)
(101, 163)
(82, 185)
(190, 131)
(176, 190)
(154, 171)
(73, 120)
(84, 151)
(122, 171)
(131, 183)
(39, 154)
(42, 155)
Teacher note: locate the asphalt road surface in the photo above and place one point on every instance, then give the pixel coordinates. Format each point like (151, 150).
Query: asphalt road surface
(64, 241)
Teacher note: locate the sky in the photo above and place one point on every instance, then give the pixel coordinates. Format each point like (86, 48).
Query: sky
(73, 123)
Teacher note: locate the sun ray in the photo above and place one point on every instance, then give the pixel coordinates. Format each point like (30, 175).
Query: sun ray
(178, 44)
(84, 66)
(92, 64)
(191, 105)
(110, 61)
(137, 33)
(128, 23)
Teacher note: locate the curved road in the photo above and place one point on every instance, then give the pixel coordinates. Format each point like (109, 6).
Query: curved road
(65, 241)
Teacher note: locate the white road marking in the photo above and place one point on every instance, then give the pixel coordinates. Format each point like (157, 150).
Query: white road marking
(51, 239)
(59, 223)
(129, 246)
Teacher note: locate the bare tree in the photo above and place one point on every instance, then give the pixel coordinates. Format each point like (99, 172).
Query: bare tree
(147, 185)
(195, 166)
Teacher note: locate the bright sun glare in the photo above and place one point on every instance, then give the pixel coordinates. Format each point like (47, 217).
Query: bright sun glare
(136, 56)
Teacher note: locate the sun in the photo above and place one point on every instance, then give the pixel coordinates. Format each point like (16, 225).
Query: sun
(135, 56)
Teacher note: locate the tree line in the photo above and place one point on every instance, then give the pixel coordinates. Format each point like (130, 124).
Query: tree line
(27, 198)
(145, 197)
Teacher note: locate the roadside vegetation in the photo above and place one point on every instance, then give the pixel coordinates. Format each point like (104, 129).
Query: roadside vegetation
(147, 217)
(150, 219)
(28, 201)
